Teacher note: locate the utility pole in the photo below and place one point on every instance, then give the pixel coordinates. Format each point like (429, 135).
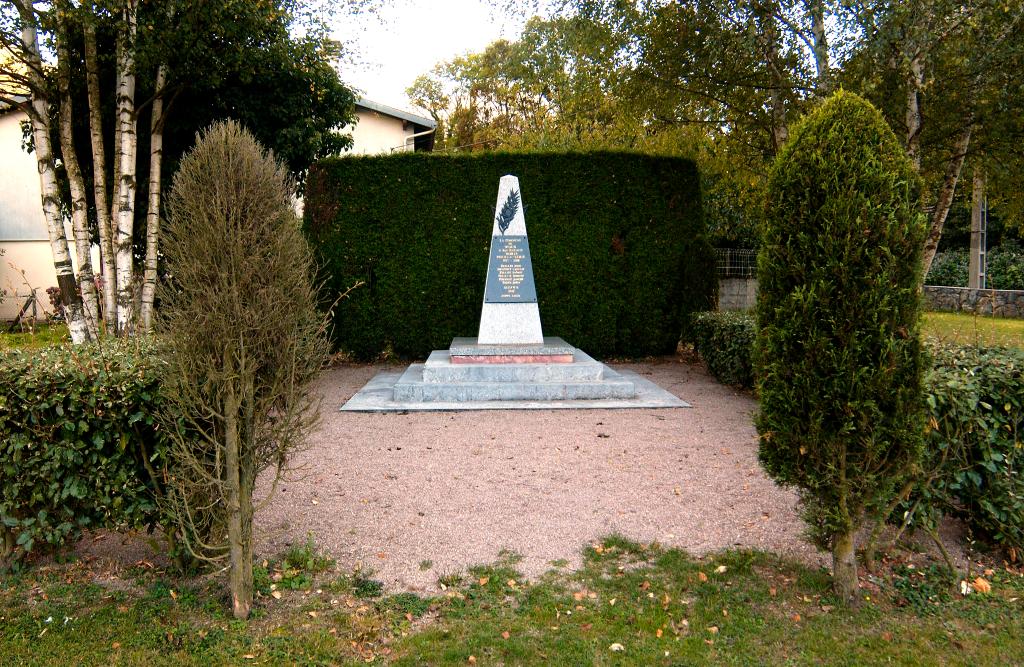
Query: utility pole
(979, 242)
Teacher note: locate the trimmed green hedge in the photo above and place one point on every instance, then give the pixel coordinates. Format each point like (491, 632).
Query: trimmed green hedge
(617, 240)
(77, 435)
(724, 341)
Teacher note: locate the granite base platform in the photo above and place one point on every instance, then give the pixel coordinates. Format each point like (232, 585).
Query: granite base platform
(542, 376)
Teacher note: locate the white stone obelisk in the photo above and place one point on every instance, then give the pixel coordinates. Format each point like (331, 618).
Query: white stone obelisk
(510, 315)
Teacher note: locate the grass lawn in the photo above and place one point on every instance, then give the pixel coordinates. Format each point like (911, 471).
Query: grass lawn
(41, 335)
(630, 605)
(968, 329)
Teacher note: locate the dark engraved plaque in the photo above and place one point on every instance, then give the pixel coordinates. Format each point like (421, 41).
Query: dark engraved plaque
(510, 272)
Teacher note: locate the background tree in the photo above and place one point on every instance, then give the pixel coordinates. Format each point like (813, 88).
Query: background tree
(838, 357)
(136, 81)
(244, 342)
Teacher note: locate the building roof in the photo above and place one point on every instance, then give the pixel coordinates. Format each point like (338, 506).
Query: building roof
(5, 107)
(396, 113)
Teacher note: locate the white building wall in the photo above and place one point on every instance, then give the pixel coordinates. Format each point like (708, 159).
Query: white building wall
(375, 133)
(23, 238)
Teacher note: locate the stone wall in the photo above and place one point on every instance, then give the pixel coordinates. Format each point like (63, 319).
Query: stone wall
(1004, 303)
(737, 293)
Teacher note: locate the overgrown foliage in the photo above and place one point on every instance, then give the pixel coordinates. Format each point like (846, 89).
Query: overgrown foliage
(838, 357)
(78, 443)
(973, 458)
(724, 341)
(617, 242)
(244, 338)
(1004, 267)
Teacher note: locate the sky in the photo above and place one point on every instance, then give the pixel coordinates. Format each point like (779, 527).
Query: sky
(408, 37)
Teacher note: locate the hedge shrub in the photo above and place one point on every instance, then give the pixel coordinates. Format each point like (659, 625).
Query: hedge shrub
(1004, 268)
(77, 436)
(724, 341)
(619, 249)
(975, 455)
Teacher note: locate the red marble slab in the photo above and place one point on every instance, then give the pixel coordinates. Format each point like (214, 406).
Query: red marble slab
(513, 359)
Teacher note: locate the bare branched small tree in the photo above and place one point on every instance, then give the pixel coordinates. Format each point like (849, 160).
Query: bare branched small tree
(244, 340)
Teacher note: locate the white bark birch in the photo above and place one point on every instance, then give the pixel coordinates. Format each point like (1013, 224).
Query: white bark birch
(99, 160)
(946, 192)
(40, 120)
(79, 205)
(156, 151)
(816, 9)
(915, 81)
(125, 158)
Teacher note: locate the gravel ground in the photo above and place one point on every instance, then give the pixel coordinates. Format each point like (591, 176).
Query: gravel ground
(414, 496)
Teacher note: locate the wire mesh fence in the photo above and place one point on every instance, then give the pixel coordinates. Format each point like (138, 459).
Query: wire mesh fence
(736, 263)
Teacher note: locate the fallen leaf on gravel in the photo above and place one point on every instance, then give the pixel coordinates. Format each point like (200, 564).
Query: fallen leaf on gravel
(484, 580)
(721, 569)
(616, 647)
(658, 633)
(677, 491)
(174, 596)
(773, 591)
(702, 576)
(276, 594)
(796, 618)
(827, 608)
(472, 660)
(725, 612)
(598, 549)
(511, 583)
(665, 600)
(709, 642)
(713, 629)
(887, 636)
(505, 635)
(312, 614)
(578, 595)
(586, 626)
(381, 555)
(115, 645)
(612, 601)
(315, 501)
(592, 595)
(644, 586)
(982, 585)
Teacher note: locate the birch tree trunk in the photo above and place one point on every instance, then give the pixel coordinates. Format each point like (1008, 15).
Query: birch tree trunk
(125, 158)
(770, 31)
(40, 120)
(99, 160)
(816, 9)
(156, 151)
(946, 192)
(79, 205)
(915, 80)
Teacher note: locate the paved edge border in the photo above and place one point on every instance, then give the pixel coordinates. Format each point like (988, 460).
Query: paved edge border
(376, 396)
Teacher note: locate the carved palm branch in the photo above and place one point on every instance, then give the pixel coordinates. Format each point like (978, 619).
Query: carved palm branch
(508, 211)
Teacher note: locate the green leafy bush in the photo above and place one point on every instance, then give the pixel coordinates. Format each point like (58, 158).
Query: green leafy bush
(838, 355)
(1004, 270)
(1005, 267)
(724, 340)
(618, 245)
(975, 448)
(77, 441)
(949, 268)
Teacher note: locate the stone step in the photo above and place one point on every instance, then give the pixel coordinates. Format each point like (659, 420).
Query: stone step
(440, 369)
(412, 388)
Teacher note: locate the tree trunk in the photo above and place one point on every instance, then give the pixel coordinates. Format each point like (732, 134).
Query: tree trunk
(844, 568)
(816, 8)
(40, 119)
(239, 539)
(915, 80)
(770, 31)
(79, 205)
(946, 192)
(156, 142)
(99, 175)
(125, 157)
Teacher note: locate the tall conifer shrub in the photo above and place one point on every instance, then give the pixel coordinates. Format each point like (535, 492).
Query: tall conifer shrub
(838, 356)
